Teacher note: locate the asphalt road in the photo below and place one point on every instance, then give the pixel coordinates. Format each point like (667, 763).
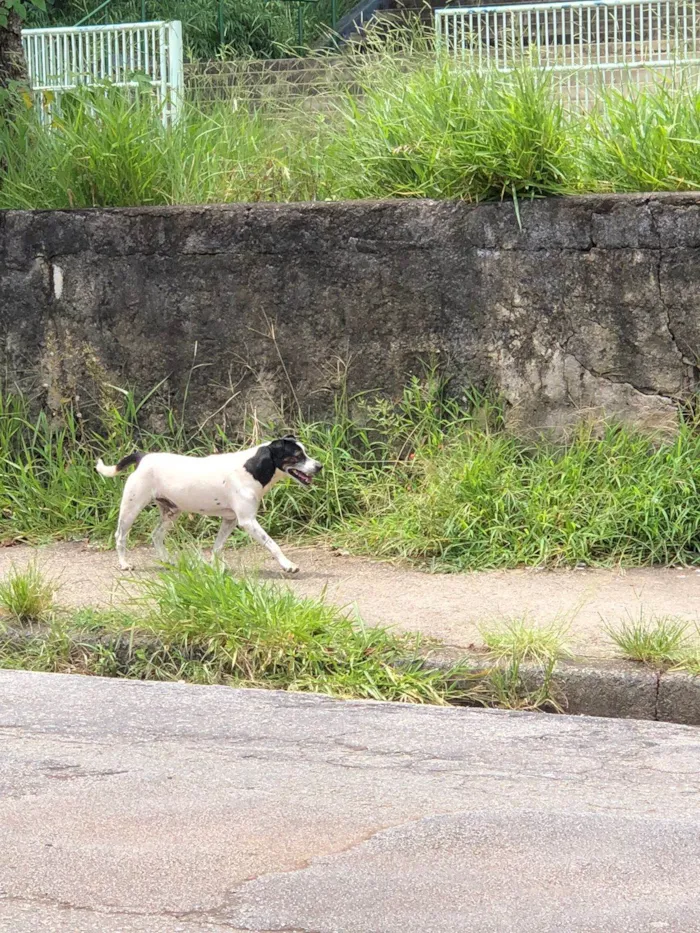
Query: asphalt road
(165, 808)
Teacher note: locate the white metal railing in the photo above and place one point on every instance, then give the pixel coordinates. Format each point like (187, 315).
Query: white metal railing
(128, 55)
(614, 41)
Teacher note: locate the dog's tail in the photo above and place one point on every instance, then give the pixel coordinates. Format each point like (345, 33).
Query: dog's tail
(125, 462)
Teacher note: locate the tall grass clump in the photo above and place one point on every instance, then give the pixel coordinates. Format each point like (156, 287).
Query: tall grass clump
(646, 140)
(656, 640)
(436, 130)
(48, 484)
(267, 636)
(412, 126)
(109, 150)
(485, 500)
(520, 638)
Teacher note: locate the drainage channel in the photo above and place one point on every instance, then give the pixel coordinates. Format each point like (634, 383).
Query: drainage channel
(612, 689)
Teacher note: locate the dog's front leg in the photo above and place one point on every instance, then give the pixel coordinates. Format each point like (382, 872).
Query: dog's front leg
(257, 533)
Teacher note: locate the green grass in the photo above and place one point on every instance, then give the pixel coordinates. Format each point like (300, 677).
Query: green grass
(196, 622)
(424, 478)
(27, 595)
(646, 141)
(519, 638)
(514, 683)
(439, 132)
(655, 641)
(481, 500)
(690, 662)
(524, 658)
(109, 150)
(271, 637)
(411, 127)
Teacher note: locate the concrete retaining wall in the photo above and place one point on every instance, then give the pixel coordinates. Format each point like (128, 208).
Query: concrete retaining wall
(591, 307)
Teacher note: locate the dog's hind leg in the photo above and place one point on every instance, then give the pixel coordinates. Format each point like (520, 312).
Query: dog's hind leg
(168, 513)
(134, 499)
(227, 526)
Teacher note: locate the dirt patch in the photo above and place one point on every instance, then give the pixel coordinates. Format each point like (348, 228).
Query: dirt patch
(447, 607)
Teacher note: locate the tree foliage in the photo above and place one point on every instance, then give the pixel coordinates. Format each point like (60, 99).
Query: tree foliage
(20, 8)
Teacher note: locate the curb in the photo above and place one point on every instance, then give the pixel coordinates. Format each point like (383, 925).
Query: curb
(611, 689)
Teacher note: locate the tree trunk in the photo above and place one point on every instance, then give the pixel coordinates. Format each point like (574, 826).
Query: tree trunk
(13, 65)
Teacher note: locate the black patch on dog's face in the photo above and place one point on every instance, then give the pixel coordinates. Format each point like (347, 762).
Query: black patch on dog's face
(261, 466)
(286, 451)
(272, 457)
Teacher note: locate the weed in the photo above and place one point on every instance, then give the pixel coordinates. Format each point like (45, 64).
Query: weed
(197, 622)
(511, 685)
(515, 638)
(27, 595)
(441, 132)
(410, 126)
(690, 662)
(524, 659)
(485, 500)
(657, 640)
(265, 635)
(647, 139)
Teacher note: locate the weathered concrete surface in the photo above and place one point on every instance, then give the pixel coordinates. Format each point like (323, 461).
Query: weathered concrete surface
(679, 698)
(590, 308)
(616, 689)
(162, 807)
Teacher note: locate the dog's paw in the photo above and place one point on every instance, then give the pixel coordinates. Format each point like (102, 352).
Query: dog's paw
(126, 567)
(291, 569)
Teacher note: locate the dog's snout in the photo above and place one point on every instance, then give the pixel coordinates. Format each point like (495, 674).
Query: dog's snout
(317, 467)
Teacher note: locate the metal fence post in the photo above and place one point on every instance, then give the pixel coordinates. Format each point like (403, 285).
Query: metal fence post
(176, 76)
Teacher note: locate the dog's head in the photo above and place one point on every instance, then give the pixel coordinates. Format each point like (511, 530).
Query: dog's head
(289, 456)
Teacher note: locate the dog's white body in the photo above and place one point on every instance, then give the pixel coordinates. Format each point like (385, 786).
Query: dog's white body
(229, 486)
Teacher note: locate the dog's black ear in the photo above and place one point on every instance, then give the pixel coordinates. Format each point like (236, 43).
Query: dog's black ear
(261, 465)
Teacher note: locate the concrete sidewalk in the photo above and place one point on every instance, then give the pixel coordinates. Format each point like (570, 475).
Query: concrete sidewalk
(162, 808)
(448, 607)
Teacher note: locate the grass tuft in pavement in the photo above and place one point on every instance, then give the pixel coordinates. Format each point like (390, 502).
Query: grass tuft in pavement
(27, 595)
(656, 640)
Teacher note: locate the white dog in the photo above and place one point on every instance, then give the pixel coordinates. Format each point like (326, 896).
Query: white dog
(229, 486)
